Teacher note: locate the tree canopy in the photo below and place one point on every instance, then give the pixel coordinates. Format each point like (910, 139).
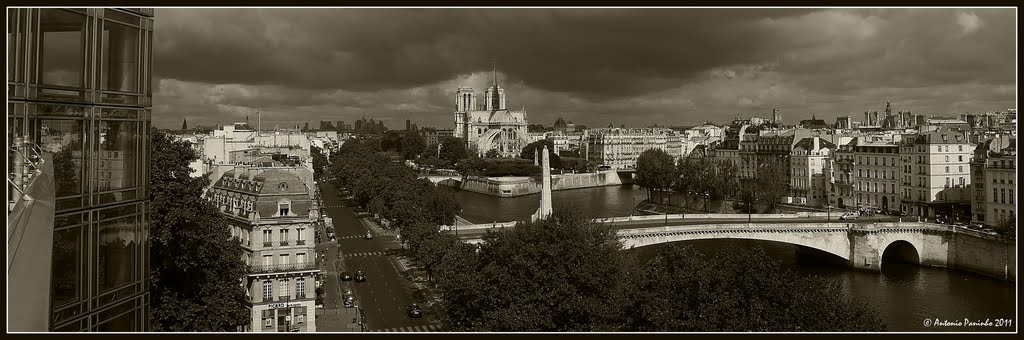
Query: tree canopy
(452, 150)
(655, 170)
(197, 266)
(558, 274)
(528, 152)
(684, 290)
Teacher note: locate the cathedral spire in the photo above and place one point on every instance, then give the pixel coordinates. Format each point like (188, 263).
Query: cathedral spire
(494, 70)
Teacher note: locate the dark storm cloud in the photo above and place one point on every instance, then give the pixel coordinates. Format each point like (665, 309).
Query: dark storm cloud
(607, 52)
(662, 65)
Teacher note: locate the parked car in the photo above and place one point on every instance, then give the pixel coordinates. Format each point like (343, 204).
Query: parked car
(848, 216)
(369, 235)
(346, 276)
(414, 311)
(360, 276)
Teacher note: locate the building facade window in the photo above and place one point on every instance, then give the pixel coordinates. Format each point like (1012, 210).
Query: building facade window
(283, 292)
(267, 290)
(300, 288)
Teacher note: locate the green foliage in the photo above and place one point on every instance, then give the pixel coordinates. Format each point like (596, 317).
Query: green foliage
(1007, 227)
(492, 153)
(771, 184)
(452, 150)
(655, 170)
(196, 265)
(319, 161)
(577, 164)
(705, 178)
(553, 159)
(412, 145)
(391, 189)
(559, 274)
(683, 290)
(497, 167)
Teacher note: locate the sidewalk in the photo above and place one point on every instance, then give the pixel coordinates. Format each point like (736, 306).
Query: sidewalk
(337, 320)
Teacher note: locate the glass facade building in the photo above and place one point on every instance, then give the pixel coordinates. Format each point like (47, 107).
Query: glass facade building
(79, 87)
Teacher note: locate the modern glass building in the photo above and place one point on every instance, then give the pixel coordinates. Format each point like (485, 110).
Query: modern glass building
(79, 92)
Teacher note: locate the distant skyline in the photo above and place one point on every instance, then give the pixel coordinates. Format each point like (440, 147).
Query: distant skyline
(592, 66)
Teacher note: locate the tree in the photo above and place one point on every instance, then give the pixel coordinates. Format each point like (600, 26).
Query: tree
(197, 268)
(492, 153)
(319, 161)
(655, 170)
(559, 274)
(1007, 227)
(412, 145)
(771, 184)
(553, 158)
(452, 150)
(684, 290)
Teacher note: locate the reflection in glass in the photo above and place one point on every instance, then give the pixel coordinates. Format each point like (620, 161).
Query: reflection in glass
(120, 57)
(118, 159)
(116, 254)
(63, 49)
(123, 323)
(66, 252)
(63, 139)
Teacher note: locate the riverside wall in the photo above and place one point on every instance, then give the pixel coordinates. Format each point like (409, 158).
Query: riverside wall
(519, 186)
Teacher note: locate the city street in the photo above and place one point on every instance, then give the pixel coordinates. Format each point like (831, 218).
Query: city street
(385, 294)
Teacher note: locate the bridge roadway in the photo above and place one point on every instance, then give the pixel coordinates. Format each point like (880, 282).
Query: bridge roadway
(475, 232)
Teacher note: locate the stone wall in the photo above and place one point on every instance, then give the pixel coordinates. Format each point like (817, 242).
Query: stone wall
(508, 187)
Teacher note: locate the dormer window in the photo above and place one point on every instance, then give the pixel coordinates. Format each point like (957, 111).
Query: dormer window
(283, 207)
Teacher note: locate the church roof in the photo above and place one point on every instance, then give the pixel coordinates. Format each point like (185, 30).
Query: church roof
(506, 117)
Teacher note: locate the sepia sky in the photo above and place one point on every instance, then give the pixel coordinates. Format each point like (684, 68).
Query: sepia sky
(592, 66)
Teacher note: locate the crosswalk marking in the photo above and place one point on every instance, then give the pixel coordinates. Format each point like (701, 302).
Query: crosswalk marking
(412, 329)
(375, 253)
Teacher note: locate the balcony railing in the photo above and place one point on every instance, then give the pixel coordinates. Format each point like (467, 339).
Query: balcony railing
(268, 244)
(300, 242)
(273, 268)
(283, 243)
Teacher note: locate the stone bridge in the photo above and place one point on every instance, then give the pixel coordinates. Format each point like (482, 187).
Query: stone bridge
(863, 246)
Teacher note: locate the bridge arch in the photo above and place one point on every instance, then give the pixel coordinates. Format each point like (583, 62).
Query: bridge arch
(900, 251)
(829, 241)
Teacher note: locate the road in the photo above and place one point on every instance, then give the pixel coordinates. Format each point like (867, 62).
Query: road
(477, 233)
(385, 294)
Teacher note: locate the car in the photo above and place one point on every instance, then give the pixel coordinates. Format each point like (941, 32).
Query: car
(349, 299)
(360, 276)
(369, 235)
(848, 216)
(346, 276)
(414, 311)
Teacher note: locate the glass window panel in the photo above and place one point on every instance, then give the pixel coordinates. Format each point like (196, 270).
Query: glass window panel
(124, 323)
(121, 16)
(120, 57)
(63, 139)
(62, 44)
(118, 152)
(116, 241)
(67, 250)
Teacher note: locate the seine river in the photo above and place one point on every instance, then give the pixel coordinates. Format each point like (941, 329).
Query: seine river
(904, 296)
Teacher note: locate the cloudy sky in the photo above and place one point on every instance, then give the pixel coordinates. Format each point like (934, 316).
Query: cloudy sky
(593, 66)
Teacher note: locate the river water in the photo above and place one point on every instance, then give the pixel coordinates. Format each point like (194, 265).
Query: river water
(904, 296)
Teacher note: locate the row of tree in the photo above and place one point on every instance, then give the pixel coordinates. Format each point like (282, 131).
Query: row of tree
(710, 179)
(390, 189)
